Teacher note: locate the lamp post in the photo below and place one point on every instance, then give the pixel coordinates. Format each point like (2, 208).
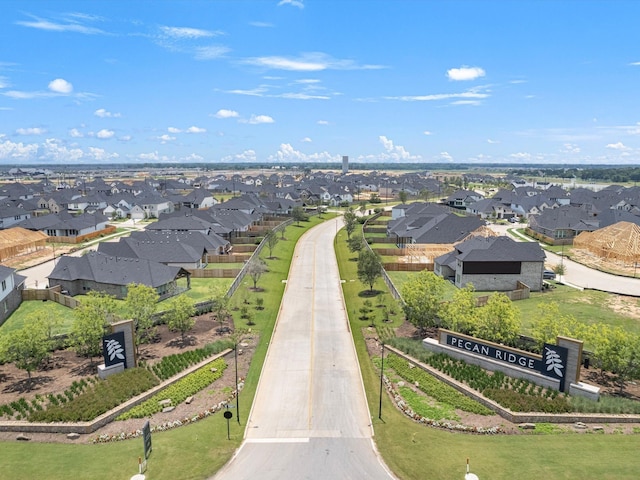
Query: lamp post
(381, 384)
(237, 389)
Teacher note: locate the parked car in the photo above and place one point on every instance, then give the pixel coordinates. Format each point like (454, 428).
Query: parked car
(549, 275)
(513, 219)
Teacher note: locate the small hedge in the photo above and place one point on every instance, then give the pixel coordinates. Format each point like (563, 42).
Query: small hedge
(436, 389)
(176, 363)
(179, 391)
(101, 397)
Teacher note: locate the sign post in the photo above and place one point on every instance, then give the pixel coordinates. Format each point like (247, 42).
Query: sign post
(228, 415)
(146, 437)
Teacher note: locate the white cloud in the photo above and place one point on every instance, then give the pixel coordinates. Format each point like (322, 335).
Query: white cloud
(105, 134)
(306, 140)
(192, 157)
(258, 119)
(521, 156)
(101, 155)
(60, 85)
(445, 156)
(69, 26)
(223, 113)
(153, 156)
(302, 96)
(210, 53)
(473, 94)
(166, 138)
(125, 138)
(492, 141)
(261, 24)
(322, 122)
(395, 152)
(618, 146)
(427, 132)
(173, 130)
(635, 64)
(465, 73)
(4, 82)
(194, 129)
(293, 3)
(187, 32)
(31, 131)
(570, 148)
(102, 113)
(308, 62)
(246, 156)
(75, 133)
(52, 149)
(467, 102)
(17, 150)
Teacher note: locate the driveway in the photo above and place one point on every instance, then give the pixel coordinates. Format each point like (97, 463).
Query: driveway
(310, 418)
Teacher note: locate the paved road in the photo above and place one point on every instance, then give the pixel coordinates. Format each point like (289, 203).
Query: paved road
(310, 419)
(578, 275)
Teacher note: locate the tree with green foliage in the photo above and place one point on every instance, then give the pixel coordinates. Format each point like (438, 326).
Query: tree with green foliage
(180, 315)
(422, 297)
(219, 305)
(282, 232)
(350, 221)
(460, 314)
(363, 207)
(141, 304)
(28, 347)
(355, 244)
(255, 268)
(272, 239)
(402, 195)
(550, 323)
(369, 267)
(299, 215)
(91, 319)
(498, 321)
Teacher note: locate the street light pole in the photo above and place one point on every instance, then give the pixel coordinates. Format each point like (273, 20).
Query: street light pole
(381, 377)
(237, 389)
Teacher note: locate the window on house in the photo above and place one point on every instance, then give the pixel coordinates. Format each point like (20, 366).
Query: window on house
(4, 285)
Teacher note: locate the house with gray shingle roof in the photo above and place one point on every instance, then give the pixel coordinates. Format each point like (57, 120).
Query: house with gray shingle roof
(111, 274)
(493, 264)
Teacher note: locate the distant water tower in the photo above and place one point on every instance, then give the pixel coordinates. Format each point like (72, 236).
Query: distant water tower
(345, 164)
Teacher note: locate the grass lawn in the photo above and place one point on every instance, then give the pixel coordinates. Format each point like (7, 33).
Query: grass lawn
(413, 451)
(588, 306)
(202, 448)
(34, 308)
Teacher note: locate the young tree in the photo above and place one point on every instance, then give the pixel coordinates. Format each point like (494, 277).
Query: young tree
(220, 305)
(91, 319)
(141, 304)
(255, 269)
(499, 320)
(422, 297)
(460, 313)
(550, 323)
(282, 231)
(298, 214)
(350, 221)
(27, 347)
(272, 240)
(402, 195)
(180, 314)
(355, 244)
(369, 267)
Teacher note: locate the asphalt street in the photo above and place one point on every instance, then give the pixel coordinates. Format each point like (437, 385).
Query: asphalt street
(310, 419)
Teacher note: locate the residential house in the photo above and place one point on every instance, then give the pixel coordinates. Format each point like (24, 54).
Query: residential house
(11, 286)
(493, 264)
(110, 274)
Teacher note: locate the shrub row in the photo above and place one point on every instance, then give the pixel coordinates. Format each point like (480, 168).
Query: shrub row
(101, 397)
(173, 364)
(436, 389)
(179, 391)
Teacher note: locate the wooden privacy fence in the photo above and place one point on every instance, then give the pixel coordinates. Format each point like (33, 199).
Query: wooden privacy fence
(407, 267)
(381, 240)
(245, 248)
(522, 292)
(215, 273)
(227, 258)
(391, 252)
(83, 238)
(52, 294)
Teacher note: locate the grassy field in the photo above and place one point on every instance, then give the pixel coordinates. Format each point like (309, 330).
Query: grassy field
(202, 448)
(38, 308)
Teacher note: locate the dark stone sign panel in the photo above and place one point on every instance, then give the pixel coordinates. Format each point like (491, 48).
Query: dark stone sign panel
(113, 349)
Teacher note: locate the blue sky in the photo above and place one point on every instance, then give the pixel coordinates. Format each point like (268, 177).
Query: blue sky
(298, 81)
